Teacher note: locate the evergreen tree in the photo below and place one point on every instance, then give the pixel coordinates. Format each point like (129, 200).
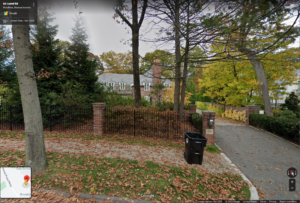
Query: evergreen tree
(292, 102)
(77, 66)
(46, 57)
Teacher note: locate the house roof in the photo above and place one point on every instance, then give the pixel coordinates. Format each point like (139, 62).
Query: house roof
(128, 78)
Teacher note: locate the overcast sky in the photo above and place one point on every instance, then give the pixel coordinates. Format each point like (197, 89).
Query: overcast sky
(104, 33)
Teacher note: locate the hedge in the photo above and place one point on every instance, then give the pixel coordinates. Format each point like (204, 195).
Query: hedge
(286, 127)
(197, 121)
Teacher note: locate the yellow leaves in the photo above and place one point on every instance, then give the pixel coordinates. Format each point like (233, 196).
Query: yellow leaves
(236, 115)
(169, 95)
(92, 190)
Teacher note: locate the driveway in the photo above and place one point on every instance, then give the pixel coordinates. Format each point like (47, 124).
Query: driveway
(262, 157)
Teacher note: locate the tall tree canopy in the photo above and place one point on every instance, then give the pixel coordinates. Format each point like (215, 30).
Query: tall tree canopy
(166, 58)
(259, 27)
(77, 66)
(46, 56)
(233, 82)
(117, 62)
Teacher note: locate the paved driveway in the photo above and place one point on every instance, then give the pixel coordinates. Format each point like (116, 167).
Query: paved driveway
(262, 157)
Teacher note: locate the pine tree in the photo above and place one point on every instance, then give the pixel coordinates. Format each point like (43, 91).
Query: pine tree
(45, 56)
(77, 66)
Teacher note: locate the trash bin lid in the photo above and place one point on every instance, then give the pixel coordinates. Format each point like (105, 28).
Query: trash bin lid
(194, 135)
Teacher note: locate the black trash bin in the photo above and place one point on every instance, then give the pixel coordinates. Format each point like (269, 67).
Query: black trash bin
(194, 147)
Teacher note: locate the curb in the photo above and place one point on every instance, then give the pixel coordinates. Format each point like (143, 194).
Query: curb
(273, 135)
(254, 193)
(108, 199)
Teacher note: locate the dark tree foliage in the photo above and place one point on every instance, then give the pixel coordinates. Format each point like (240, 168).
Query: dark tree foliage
(45, 57)
(292, 102)
(77, 66)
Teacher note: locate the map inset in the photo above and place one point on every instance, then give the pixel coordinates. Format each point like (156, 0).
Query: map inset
(15, 182)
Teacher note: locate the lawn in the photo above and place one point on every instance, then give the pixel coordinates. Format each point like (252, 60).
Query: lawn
(128, 178)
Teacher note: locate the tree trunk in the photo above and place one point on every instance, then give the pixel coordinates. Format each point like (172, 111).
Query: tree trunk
(178, 58)
(183, 88)
(261, 78)
(135, 55)
(35, 144)
(186, 58)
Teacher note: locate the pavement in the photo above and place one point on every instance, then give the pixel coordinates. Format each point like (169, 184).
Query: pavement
(262, 157)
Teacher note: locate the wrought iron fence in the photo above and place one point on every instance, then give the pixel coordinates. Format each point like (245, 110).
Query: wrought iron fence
(145, 123)
(55, 118)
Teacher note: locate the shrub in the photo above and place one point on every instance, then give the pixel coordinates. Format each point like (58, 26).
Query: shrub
(276, 112)
(202, 106)
(288, 114)
(218, 110)
(236, 115)
(197, 121)
(280, 125)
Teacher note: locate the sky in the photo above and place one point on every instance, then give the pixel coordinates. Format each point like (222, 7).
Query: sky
(104, 33)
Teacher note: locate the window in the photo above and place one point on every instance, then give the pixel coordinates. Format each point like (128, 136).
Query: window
(298, 84)
(111, 84)
(167, 85)
(122, 86)
(146, 86)
(147, 98)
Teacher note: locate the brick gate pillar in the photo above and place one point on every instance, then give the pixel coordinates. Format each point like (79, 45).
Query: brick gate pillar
(99, 115)
(208, 132)
(192, 108)
(251, 109)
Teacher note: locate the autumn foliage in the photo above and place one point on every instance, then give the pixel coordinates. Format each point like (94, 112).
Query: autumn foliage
(169, 95)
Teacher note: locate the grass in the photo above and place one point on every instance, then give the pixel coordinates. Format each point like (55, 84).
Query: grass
(131, 179)
(109, 138)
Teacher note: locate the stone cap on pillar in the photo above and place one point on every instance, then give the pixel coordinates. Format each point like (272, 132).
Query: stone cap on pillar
(207, 111)
(251, 105)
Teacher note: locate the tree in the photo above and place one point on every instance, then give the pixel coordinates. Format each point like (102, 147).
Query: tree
(168, 95)
(77, 66)
(292, 102)
(35, 144)
(117, 62)
(135, 27)
(8, 76)
(158, 92)
(46, 57)
(166, 58)
(234, 82)
(183, 19)
(100, 67)
(64, 45)
(256, 22)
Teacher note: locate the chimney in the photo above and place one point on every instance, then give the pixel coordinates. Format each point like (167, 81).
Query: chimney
(156, 71)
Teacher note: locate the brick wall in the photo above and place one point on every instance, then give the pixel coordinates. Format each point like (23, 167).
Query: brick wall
(193, 108)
